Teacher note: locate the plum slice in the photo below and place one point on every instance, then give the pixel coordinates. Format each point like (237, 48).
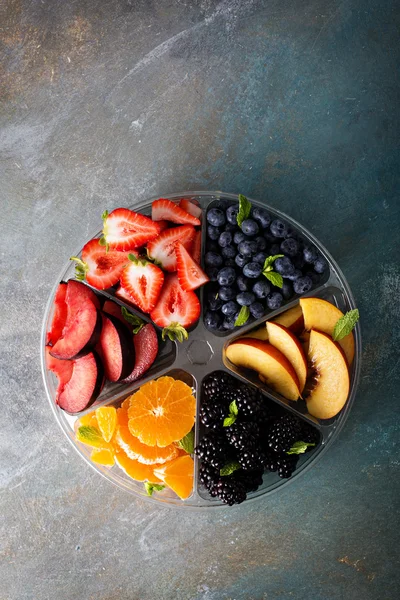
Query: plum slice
(116, 348)
(146, 349)
(78, 290)
(62, 368)
(59, 316)
(114, 309)
(85, 384)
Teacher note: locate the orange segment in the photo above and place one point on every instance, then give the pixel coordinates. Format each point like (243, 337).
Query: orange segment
(88, 419)
(107, 420)
(135, 469)
(102, 457)
(162, 412)
(178, 475)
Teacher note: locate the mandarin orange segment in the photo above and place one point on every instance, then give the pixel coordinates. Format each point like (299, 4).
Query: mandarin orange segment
(135, 469)
(162, 412)
(178, 475)
(88, 419)
(107, 420)
(102, 457)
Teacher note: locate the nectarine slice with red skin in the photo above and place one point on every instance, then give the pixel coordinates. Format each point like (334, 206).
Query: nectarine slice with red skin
(321, 315)
(292, 319)
(260, 333)
(332, 386)
(267, 361)
(285, 341)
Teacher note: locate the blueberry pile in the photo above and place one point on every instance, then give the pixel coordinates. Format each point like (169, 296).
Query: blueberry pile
(257, 441)
(234, 262)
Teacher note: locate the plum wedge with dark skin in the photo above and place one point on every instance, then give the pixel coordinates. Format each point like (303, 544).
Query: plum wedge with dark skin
(59, 315)
(80, 290)
(116, 348)
(146, 349)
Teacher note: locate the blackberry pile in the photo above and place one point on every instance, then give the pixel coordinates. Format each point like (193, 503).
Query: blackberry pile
(234, 261)
(258, 440)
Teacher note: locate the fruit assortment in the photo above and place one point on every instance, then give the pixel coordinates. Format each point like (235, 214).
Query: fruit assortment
(151, 270)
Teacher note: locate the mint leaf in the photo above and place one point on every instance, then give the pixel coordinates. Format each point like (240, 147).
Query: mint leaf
(89, 435)
(153, 487)
(243, 316)
(187, 442)
(233, 408)
(275, 278)
(299, 447)
(228, 421)
(136, 322)
(346, 324)
(269, 261)
(229, 468)
(233, 413)
(244, 209)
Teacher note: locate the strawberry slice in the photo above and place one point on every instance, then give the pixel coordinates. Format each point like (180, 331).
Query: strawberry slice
(162, 249)
(146, 349)
(175, 309)
(143, 282)
(100, 267)
(190, 207)
(196, 247)
(162, 225)
(165, 209)
(59, 315)
(125, 229)
(190, 275)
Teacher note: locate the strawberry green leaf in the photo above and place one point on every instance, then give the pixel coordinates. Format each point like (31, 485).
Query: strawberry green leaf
(175, 331)
(136, 322)
(81, 268)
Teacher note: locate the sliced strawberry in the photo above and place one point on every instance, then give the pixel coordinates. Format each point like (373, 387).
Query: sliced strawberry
(59, 315)
(143, 282)
(146, 349)
(62, 368)
(85, 384)
(162, 225)
(81, 332)
(124, 295)
(79, 290)
(190, 207)
(116, 349)
(165, 209)
(190, 274)
(196, 247)
(125, 229)
(100, 267)
(175, 309)
(162, 249)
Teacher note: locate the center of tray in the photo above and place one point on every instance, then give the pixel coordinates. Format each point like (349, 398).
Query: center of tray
(199, 352)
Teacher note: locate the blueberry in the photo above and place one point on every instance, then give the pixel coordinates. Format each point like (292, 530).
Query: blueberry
(257, 310)
(302, 285)
(271, 239)
(245, 298)
(226, 276)
(287, 289)
(231, 228)
(243, 283)
(229, 262)
(320, 265)
(275, 249)
(249, 227)
(278, 228)
(241, 260)
(225, 239)
(212, 320)
(261, 243)
(295, 275)
(261, 288)
(260, 257)
(229, 308)
(212, 247)
(310, 254)
(232, 213)
(274, 300)
(248, 247)
(229, 322)
(214, 301)
(261, 216)
(252, 270)
(212, 259)
(291, 233)
(213, 233)
(284, 266)
(216, 217)
(313, 276)
(238, 237)
(226, 293)
(228, 252)
(290, 247)
(212, 273)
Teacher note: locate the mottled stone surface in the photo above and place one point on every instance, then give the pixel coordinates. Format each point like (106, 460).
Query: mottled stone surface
(111, 102)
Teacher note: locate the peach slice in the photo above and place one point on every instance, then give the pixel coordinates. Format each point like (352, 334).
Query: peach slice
(332, 386)
(259, 334)
(322, 315)
(292, 319)
(284, 340)
(267, 361)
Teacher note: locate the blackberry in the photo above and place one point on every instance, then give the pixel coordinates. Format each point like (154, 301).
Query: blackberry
(212, 414)
(283, 464)
(247, 401)
(283, 433)
(250, 479)
(208, 476)
(215, 384)
(251, 458)
(213, 448)
(310, 435)
(230, 491)
(243, 436)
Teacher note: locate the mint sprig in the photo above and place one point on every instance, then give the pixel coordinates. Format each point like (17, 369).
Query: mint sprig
(268, 271)
(243, 316)
(136, 322)
(229, 468)
(244, 209)
(187, 442)
(153, 487)
(299, 447)
(233, 413)
(89, 435)
(345, 324)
